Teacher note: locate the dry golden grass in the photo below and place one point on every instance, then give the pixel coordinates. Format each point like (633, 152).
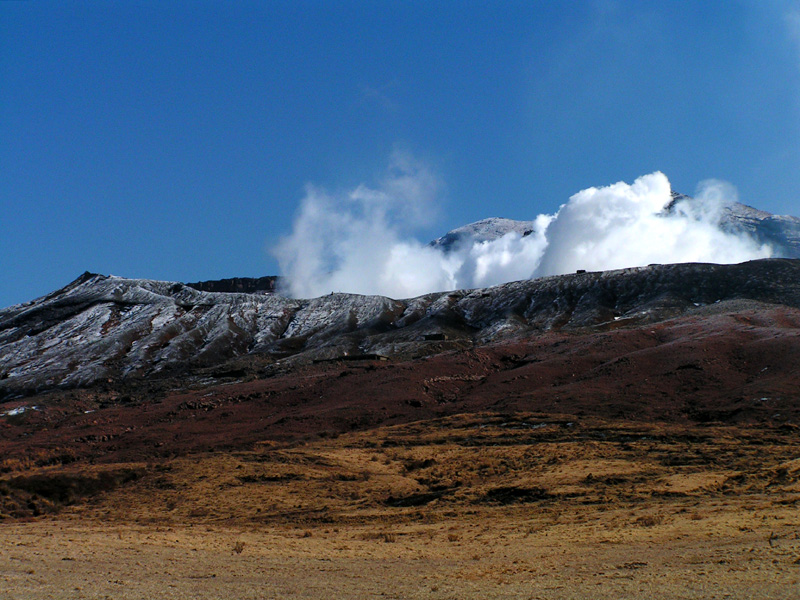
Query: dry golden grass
(478, 506)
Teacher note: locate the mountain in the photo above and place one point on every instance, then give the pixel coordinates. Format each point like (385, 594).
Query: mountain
(105, 329)
(109, 331)
(118, 371)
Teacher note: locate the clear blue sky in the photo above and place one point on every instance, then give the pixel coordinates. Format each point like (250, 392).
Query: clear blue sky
(173, 140)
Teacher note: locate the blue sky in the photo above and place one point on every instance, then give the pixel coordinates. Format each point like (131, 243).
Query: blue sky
(174, 140)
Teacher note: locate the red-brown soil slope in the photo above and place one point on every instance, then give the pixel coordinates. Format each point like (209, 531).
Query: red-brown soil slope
(730, 364)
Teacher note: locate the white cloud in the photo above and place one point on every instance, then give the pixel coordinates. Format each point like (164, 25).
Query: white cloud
(625, 225)
(361, 241)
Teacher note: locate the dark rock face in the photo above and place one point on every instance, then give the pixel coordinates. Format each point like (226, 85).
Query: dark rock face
(239, 285)
(100, 329)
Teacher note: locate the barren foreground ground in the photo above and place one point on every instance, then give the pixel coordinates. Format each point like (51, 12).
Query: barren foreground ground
(485, 505)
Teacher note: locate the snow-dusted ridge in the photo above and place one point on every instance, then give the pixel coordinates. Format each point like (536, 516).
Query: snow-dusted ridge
(485, 230)
(101, 328)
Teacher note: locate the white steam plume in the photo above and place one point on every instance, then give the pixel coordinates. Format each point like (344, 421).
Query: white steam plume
(360, 242)
(626, 225)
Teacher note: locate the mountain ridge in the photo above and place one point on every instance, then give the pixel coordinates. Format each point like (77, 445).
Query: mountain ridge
(106, 327)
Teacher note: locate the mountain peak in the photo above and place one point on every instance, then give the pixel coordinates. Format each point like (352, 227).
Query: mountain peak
(484, 230)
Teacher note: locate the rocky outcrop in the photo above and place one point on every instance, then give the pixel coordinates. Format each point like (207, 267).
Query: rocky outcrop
(239, 285)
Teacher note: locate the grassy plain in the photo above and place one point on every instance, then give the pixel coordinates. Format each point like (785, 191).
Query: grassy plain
(486, 505)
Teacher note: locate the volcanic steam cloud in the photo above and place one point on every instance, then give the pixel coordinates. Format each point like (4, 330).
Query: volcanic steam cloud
(361, 241)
